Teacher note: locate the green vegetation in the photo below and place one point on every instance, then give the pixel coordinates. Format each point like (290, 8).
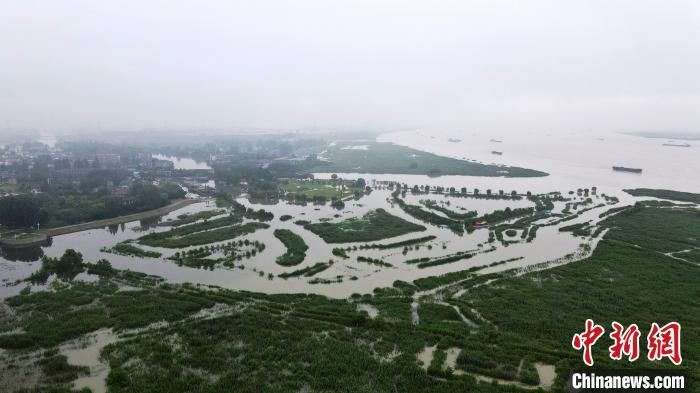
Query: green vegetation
(505, 214)
(426, 216)
(430, 204)
(69, 265)
(299, 342)
(151, 239)
(308, 271)
(296, 247)
(665, 194)
(460, 255)
(581, 229)
(374, 261)
(689, 255)
(612, 285)
(232, 251)
(402, 243)
(170, 240)
(428, 283)
(375, 225)
(302, 190)
(260, 215)
(64, 204)
(437, 312)
(613, 211)
(339, 252)
(390, 158)
(184, 219)
(125, 248)
(57, 370)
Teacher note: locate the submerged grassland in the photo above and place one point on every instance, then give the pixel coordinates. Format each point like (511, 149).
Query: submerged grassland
(464, 331)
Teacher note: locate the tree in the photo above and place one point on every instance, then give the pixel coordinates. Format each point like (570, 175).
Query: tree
(174, 191)
(334, 176)
(19, 211)
(513, 193)
(463, 190)
(102, 268)
(476, 191)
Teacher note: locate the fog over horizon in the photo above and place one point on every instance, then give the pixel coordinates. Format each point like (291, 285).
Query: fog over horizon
(367, 64)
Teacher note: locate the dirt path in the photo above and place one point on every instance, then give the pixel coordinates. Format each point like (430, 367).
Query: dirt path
(121, 219)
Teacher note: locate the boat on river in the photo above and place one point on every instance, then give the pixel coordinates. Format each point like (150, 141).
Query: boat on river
(626, 169)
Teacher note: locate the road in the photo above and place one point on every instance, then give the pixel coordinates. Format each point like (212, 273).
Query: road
(121, 219)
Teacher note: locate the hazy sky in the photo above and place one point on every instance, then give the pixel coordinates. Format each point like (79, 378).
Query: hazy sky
(466, 64)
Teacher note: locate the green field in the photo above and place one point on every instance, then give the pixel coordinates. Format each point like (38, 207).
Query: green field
(298, 342)
(296, 247)
(665, 194)
(327, 189)
(375, 225)
(390, 158)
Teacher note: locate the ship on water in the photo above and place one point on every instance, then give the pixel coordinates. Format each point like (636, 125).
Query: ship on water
(498, 153)
(677, 144)
(454, 140)
(625, 169)
(495, 141)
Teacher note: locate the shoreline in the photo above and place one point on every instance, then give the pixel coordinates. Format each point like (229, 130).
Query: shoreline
(179, 204)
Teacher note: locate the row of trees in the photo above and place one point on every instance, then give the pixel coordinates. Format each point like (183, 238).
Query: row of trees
(67, 207)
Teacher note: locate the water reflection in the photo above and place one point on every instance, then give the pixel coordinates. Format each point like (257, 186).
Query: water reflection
(569, 171)
(24, 254)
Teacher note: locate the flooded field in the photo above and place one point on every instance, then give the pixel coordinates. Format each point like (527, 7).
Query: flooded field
(346, 275)
(382, 266)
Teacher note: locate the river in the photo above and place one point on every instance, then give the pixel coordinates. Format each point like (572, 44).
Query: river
(573, 161)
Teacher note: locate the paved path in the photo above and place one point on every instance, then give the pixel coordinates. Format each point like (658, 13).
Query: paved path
(121, 219)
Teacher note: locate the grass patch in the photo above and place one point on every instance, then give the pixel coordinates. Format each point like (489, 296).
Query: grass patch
(296, 247)
(205, 237)
(185, 219)
(665, 194)
(308, 271)
(128, 249)
(390, 158)
(375, 225)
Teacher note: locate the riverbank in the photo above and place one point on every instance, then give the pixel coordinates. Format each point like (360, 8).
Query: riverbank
(179, 204)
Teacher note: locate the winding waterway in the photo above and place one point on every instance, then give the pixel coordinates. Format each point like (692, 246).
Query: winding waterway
(573, 161)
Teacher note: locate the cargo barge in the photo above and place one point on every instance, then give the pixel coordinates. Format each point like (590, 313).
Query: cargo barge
(625, 169)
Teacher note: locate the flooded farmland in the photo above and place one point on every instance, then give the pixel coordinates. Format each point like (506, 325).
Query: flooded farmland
(346, 275)
(259, 272)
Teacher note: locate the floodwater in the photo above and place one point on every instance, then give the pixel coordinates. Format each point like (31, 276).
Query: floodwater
(571, 158)
(85, 351)
(580, 168)
(183, 162)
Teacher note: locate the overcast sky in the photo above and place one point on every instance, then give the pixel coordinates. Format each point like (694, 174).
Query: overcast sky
(506, 65)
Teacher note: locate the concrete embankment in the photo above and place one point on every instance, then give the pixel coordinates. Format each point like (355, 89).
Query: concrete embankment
(36, 239)
(121, 219)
